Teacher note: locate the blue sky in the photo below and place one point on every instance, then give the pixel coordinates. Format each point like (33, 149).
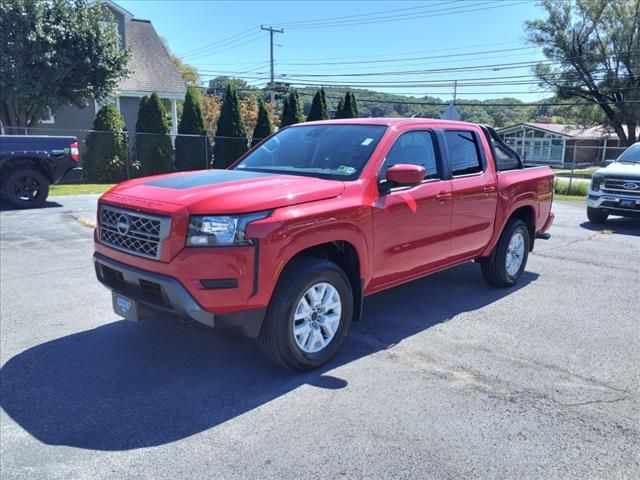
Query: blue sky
(222, 36)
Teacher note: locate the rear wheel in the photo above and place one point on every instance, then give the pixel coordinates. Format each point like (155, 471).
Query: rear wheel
(510, 256)
(596, 215)
(309, 315)
(26, 188)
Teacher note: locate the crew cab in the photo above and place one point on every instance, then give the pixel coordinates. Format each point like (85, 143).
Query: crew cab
(284, 245)
(30, 163)
(615, 189)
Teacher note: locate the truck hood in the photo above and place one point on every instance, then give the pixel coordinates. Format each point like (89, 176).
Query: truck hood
(226, 191)
(631, 170)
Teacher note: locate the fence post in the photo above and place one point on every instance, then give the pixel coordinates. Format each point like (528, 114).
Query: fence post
(573, 167)
(127, 149)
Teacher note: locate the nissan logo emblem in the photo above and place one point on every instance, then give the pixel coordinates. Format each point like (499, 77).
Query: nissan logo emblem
(123, 225)
(630, 186)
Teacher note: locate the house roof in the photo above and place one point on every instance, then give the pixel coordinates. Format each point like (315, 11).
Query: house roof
(151, 66)
(569, 131)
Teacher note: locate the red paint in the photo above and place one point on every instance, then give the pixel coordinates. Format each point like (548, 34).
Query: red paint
(398, 236)
(407, 175)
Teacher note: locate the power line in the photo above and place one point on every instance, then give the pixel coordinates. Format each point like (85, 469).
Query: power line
(442, 12)
(217, 43)
(228, 47)
(391, 60)
(483, 104)
(302, 22)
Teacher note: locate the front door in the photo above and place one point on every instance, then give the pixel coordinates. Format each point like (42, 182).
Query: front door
(411, 225)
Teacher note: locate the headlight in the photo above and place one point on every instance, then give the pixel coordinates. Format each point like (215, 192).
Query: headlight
(596, 181)
(223, 230)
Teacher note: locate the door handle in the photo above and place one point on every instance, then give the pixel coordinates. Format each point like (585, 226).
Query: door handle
(444, 196)
(489, 188)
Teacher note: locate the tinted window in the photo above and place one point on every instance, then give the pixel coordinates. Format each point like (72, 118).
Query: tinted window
(505, 160)
(632, 154)
(325, 151)
(414, 148)
(464, 157)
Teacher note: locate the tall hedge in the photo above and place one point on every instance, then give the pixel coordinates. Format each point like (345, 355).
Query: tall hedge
(318, 110)
(231, 134)
(292, 110)
(153, 143)
(191, 151)
(340, 109)
(106, 157)
(264, 125)
(350, 109)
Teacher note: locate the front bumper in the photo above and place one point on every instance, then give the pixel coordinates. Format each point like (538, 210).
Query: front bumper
(614, 203)
(165, 294)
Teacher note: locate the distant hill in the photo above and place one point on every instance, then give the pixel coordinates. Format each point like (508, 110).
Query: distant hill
(380, 104)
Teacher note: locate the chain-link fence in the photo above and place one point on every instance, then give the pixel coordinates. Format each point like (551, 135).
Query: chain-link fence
(107, 157)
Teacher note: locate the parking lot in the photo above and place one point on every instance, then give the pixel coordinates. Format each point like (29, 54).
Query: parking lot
(443, 378)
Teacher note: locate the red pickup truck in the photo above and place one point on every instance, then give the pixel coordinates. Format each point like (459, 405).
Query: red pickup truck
(284, 245)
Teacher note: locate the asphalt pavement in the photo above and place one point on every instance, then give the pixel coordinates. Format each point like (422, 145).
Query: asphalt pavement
(444, 378)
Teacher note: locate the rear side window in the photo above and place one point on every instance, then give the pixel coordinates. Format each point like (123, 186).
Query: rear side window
(505, 160)
(414, 148)
(464, 156)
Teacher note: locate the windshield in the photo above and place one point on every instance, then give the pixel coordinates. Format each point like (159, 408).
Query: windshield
(631, 154)
(337, 152)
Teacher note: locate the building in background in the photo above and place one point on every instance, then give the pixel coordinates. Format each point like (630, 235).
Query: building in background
(559, 145)
(151, 70)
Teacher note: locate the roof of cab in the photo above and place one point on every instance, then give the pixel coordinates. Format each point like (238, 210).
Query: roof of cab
(390, 122)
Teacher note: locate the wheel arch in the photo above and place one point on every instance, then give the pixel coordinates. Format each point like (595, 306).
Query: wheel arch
(344, 254)
(9, 164)
(523, 211)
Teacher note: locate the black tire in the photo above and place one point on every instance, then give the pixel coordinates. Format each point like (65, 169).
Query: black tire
(25, 188)
(276, 340)
(596, 215)
(494, 269)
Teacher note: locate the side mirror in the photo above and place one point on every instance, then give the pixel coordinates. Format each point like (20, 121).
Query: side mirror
(405, 175)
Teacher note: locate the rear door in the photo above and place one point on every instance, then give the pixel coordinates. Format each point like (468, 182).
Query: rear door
(411, 224)
(474, 193)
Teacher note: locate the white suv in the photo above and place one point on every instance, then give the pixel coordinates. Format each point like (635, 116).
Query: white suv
(615, 189)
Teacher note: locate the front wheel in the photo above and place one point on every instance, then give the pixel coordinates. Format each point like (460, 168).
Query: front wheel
(26, 188)
(309, 315)
(509, 259)
(596, 215)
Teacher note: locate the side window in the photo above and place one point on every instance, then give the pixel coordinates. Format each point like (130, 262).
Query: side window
(464, 157)
(504, 159)
(414, 148)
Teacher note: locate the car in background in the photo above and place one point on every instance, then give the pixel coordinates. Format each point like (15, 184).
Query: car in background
(30, 163)
(615, 189)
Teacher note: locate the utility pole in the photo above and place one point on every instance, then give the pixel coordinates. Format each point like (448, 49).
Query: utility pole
(455, 91)
(271, 31)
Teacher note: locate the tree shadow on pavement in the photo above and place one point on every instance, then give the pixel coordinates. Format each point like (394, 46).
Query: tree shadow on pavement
(617, 225)
(6, 206)
(123, 385)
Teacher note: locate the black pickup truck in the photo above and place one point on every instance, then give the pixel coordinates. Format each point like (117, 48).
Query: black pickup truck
(29, 164)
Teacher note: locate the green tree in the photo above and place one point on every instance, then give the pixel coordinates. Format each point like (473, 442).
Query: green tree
(106, 157)
(264, 125)
(292, 110)
(191, 151)
(318, 110)
(55, 53)
(592, 46)
(218, 85)
(340, 109)
(153, 143)
(350, 106)
(231, 134)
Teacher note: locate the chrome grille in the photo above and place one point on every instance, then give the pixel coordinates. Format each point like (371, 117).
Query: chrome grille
(622, 185)
(133, 232)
